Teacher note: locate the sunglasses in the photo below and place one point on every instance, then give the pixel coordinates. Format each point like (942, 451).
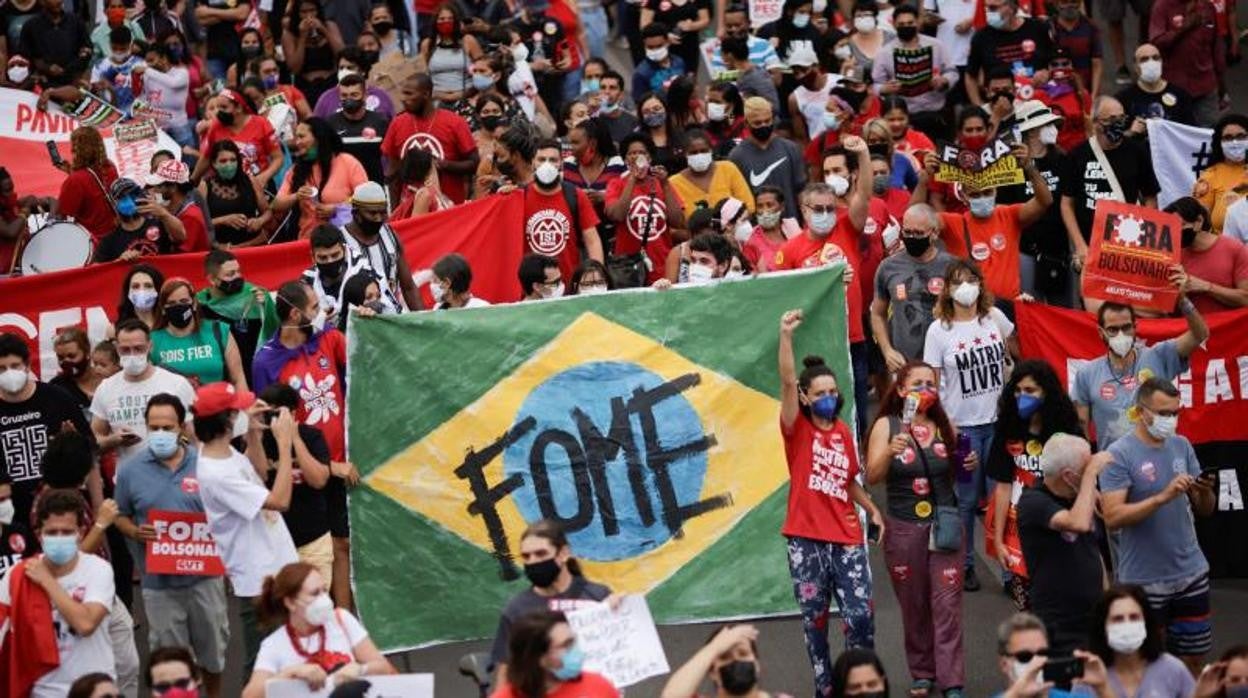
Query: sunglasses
(1026, 656)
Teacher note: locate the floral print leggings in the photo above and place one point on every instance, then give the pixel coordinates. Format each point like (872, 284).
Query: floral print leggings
(823, 571)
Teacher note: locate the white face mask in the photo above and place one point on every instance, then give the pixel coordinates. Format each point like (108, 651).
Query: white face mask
(839, 184)
(1235, 150)
(143, 298)
(119, 56)
(966, 294)
(1163, 428)
(13, 380)
(700, 162)
(716, 111)
(134, 364)
(1048, 134)
(700, 273)
(864, 24)
(547, 173)
(658, 55)
(520, 52)
(556, 292)
(6, 512)
(1126, 637)
(344, 72)
(801, 20)
(592, 290)
(769, 219)
(742, 231)
(1121, 344)
(18, 74)
(319, 610)
(842, 53)
(1150, 71)
(818, 6)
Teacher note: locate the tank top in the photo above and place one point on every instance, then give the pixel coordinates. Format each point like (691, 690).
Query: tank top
(812, 104)
(226, 199)
(448, 66)
(908, 489)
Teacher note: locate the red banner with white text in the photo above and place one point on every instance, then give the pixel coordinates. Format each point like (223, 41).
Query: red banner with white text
(183, 545)
(1214, 390)
(488, 233)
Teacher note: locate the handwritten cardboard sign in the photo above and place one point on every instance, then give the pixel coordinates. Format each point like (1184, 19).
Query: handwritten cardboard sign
(622, 645)
(183, 545)
(1130, 254)
(396, 686)
(994, 165)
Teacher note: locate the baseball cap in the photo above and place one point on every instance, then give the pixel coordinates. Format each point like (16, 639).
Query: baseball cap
(124, 187)
(369, 194)
(216, 398)
(802, 56)
(171, 171)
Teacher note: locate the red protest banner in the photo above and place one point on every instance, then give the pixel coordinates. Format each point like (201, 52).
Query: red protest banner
(183, 545)
(1130, 254)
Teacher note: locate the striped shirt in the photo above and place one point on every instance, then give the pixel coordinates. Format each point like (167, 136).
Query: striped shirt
(762, 54)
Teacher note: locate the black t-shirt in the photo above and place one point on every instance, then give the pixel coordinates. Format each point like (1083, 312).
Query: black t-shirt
(149, 239)
(13, 19)
(1048, 235)
(57, 43)
(542, 34)
(1025, 50)
(363, 139)
(222, 38)
(580, 592)
(308, 516)
(25, 429)
(671, 14)
(1172, 103)
(1084, 181)
(1065, 568)
(246, 334)
(16, 544)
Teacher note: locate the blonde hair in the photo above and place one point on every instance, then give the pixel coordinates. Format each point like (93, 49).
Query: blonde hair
(757, 106)
(879, 125)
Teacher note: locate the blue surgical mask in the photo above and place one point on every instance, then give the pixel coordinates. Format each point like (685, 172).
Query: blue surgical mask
(995, 20)
(826, 407)
(822, 223)
(1028, 404)
(482, 82)
(573, 659)
(981, 206)
(60, 549)
(127, 208)
(269, 81)
(590, 85)
(801, 20)
(163, 443)
(831, 121)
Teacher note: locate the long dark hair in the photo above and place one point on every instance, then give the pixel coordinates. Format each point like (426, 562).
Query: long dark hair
(241, 67)
(785, 30)
(125, 308)
(553, 532)
(1216, 155)
(1057, 413)
(680, 96)
(849, 660)
(815, 366)
(596, 132)
(328, 144)
(1153, 645)
(530, 641)
(228, 146)
(892, 404)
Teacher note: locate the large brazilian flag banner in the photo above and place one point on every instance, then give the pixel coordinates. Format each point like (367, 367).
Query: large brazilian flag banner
(647, 422)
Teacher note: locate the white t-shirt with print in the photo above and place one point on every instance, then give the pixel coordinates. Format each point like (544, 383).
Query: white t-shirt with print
(970, 357)
(91, 581)
(123, 403)
(342, 633)
(254, 541)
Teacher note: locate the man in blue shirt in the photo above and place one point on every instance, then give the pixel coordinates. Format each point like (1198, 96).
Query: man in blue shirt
(182, 610)
(1143, 490)
(660, 66)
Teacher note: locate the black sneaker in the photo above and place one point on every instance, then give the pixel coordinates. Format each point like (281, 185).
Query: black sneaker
(970, 582)
(1123, 76)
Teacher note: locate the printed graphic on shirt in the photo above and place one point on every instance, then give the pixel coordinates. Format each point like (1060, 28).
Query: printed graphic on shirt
(829, 472)
(647, 217)
(23, 446)
(548, 230)
(980, 363)
(426, 142)
(913, 69)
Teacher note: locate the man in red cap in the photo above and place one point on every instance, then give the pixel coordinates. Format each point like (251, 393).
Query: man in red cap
(244, 515)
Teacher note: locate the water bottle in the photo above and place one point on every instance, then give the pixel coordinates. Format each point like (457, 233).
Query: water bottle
(960, 454)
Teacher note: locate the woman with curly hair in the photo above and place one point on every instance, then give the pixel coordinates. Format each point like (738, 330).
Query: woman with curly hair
(84, 193)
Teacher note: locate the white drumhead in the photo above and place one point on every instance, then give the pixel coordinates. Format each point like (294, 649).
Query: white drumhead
(57, 246)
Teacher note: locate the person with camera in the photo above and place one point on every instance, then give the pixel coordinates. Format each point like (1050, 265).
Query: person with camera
(1033, 672)
(144, 228)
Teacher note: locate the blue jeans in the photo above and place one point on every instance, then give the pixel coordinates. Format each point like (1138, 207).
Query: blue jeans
(596, 30)
(822, 571)
(970, 491)
(858, 357)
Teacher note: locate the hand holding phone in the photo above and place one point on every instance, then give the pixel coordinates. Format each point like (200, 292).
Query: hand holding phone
(53, 152)
(1063, 670)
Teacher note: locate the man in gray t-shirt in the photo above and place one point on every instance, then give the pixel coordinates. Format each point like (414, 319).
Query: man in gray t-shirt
(908, 284)
(765, 158)
(1105, 387)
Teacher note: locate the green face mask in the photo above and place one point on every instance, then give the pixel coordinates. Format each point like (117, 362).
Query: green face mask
(227, 170)
(310, 156)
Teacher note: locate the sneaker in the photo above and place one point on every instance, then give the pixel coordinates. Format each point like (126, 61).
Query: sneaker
(1123, 76)
(970, 582)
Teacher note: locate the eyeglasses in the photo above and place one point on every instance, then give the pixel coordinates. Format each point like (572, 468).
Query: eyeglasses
(168, 685)
(1025, 656)
(1234, 137)
(550, 284)
(822, 209)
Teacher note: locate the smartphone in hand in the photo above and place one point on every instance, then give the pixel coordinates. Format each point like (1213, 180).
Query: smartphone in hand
(1063, 670)
(55, 154)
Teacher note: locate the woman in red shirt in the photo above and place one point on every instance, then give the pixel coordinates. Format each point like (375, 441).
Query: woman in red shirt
(544, 661)
(84, 194)
(827, 553)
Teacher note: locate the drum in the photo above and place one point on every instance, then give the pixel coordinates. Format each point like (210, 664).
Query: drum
(56, 246)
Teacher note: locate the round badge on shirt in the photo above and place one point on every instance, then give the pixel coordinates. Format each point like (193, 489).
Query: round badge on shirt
(923, 509)
(980, 252)
(1169, 99)
(998, 242)
(551, 28)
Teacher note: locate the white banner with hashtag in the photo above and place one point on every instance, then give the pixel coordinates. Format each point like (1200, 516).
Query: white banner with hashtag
(1180, 153)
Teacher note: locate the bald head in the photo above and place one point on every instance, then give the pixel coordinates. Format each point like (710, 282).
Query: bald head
(1146, 51)
(920, 217)
(1107, 108)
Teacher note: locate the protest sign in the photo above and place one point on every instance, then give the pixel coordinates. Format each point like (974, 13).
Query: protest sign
(183, 545)
(137, 141)
(994, 165)
(765, 12)
(622, 645)
(395, 686)
(913, 68)
(657, 450)
(1130, 253)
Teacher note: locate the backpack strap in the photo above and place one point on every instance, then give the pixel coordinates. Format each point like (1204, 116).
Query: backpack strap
(570, 196)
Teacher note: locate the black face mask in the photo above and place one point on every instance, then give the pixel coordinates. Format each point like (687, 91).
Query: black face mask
(542, 574)
(1115, 131)
(907, 33)
(226, 118)
(371, 57)
(232, 286)
(505, 168)
(738, 677)
(369, 228)
(331, 270)
(489, 123)
(352, 105)
(1189, 236)
(250, 52)
(853, 98)
(762, 133)
(916, 247)
(180, 316)
(383, 28)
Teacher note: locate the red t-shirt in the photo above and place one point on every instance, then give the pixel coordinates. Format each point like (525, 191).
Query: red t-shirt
(322, 396)
(822, 464)
(196, 229)
(445, 136)
(83, 200)
(589, 685)
(1072, 106)
(548, 226)
(1223, 264)
(994, 245)
(871, 247)
(646, 212)
(806, 251)
(567, 18)
(255, 141)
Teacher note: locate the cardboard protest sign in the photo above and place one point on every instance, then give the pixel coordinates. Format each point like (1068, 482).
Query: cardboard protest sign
(913, 68)
(994, 165)
(1130, 254)
(137, 142)
(622, 645)
(183, 545)
(765, 12)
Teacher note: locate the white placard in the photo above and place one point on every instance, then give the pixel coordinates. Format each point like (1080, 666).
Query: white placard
(622, 645)
(397, 686)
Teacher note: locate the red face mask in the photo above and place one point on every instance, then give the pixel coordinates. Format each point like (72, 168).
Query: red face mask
(974, 142)
(445, 27)
(927, 398)
(175, 692)
(587, 157)
(116, 16)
